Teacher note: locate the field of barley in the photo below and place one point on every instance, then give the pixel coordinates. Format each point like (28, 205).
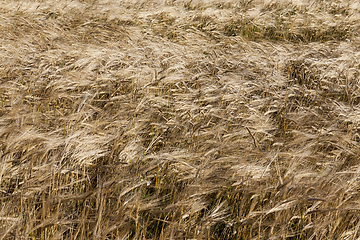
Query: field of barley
(180, 119)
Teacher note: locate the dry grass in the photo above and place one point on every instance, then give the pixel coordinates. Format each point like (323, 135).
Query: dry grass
(166, 119)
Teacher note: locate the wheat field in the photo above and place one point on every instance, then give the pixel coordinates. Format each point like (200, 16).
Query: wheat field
(179, 119)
